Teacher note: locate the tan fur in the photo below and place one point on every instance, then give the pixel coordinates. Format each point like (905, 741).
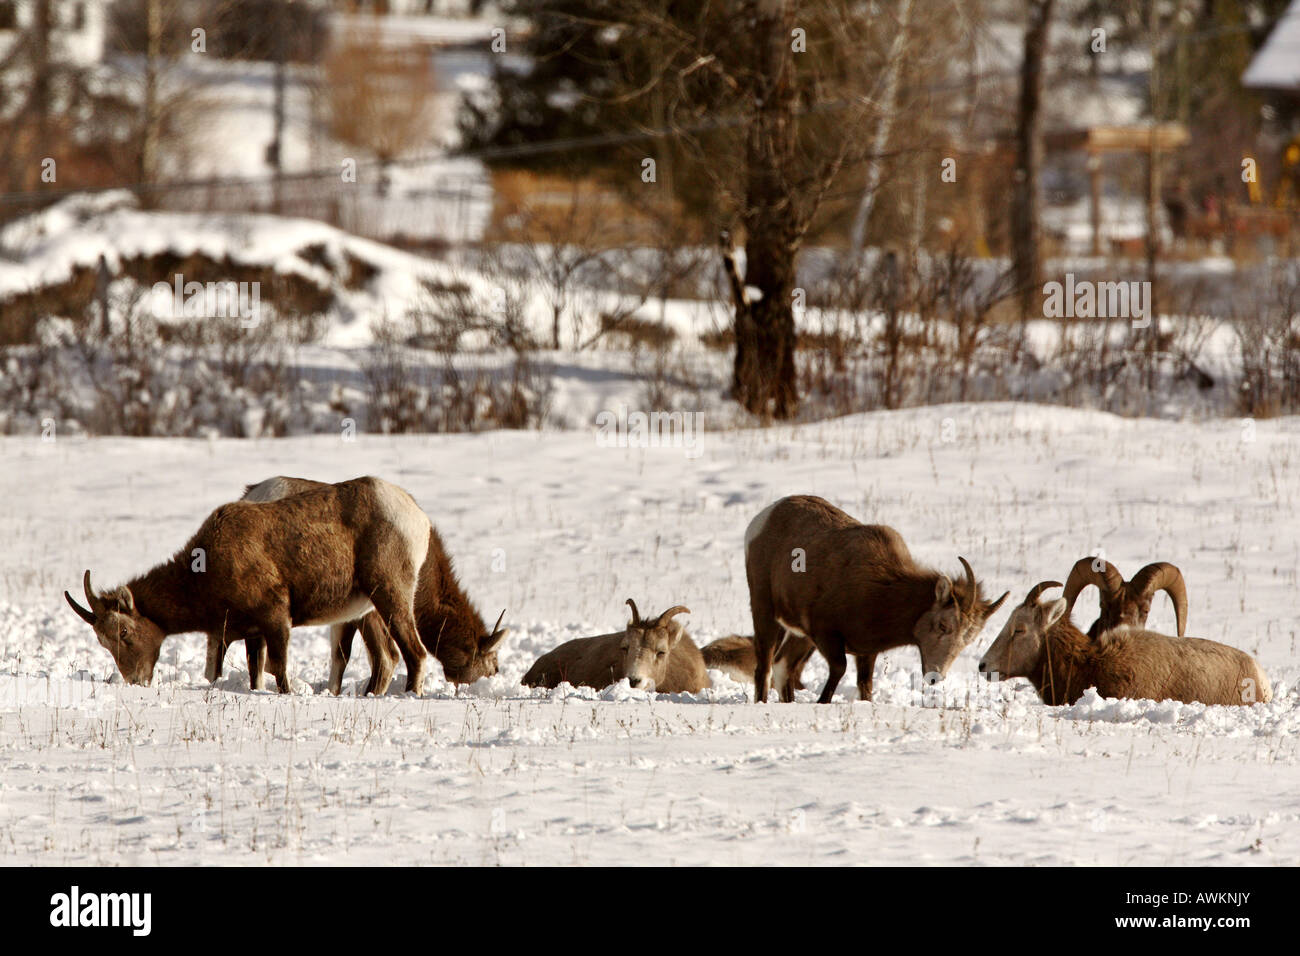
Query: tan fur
(860, 593)
(734, 656)
(312, 557)
(606, 659)
(1040, 643)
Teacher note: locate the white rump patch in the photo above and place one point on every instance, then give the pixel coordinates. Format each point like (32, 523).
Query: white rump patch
(758, 524)
(273, 489)
(407, 518)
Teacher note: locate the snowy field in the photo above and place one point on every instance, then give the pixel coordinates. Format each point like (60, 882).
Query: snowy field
(559, 531)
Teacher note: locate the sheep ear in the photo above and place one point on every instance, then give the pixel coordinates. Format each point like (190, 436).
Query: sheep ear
(942, 590)
(122, 600)
(1051, 613)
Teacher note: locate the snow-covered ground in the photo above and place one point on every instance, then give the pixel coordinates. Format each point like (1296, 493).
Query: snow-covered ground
(95, 772)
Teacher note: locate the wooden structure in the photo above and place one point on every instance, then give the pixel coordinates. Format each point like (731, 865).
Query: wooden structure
(1151, 140)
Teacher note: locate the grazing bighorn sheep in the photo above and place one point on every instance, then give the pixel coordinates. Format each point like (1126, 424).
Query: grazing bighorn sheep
(1126, 602)
(851, 588)
(323, 556)
(654, 654)
(734, 656)
(450, 627)
(1039, 642)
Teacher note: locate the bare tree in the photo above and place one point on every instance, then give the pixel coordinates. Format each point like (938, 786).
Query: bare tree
(379, 95)
(1025, 192)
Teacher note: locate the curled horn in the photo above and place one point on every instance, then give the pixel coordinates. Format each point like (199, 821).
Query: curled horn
(672, 612)
(970, 576)
(636, 615)
(1109, 582)
(1162, 576)
(1036, 591)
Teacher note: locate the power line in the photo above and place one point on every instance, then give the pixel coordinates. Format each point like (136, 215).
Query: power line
(546, 147)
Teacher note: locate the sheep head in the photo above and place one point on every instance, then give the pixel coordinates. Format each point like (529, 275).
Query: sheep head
(952, 622)
(466, 660)
(648, 644)
(1126, 602)
(132, 639)
(1018, 647)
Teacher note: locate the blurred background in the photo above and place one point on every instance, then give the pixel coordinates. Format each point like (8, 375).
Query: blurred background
(268, 217)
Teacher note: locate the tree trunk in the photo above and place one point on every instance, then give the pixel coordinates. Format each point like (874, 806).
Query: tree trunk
(1029, 158)
(151, 118)
(764, 378)
(885, 123)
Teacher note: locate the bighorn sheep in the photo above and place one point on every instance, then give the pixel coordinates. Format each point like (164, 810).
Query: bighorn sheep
(450, 626)
(734, 656)
(854, 589)
(1126, 602)
(1039, 642)
(654, 654)
(323, 556)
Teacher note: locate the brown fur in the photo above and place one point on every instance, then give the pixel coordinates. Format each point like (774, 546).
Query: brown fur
(1126, 602)
(1125, 662)
(450, 626)
(860, 593)
(270, 566)
(604, 660)
(734, 655)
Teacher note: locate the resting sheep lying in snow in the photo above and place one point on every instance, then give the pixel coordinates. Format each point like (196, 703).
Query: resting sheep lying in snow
(653, 654)
(1039, 642)
(734, 655)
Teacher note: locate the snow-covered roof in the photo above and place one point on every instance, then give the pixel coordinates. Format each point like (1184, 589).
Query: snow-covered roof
(1277, 64)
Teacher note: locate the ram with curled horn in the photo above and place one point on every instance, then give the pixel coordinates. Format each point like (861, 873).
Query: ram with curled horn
(1126, 602)
(654, 654)
(1039, 643)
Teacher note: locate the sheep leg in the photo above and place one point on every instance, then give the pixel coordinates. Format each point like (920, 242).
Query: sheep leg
(833, 650)
(767, 635)
(277, 656)
(216, 662)
(395, 608)
(790, 660)
(255, 653)
(340, 653)
(866, 670)
(382, 651)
